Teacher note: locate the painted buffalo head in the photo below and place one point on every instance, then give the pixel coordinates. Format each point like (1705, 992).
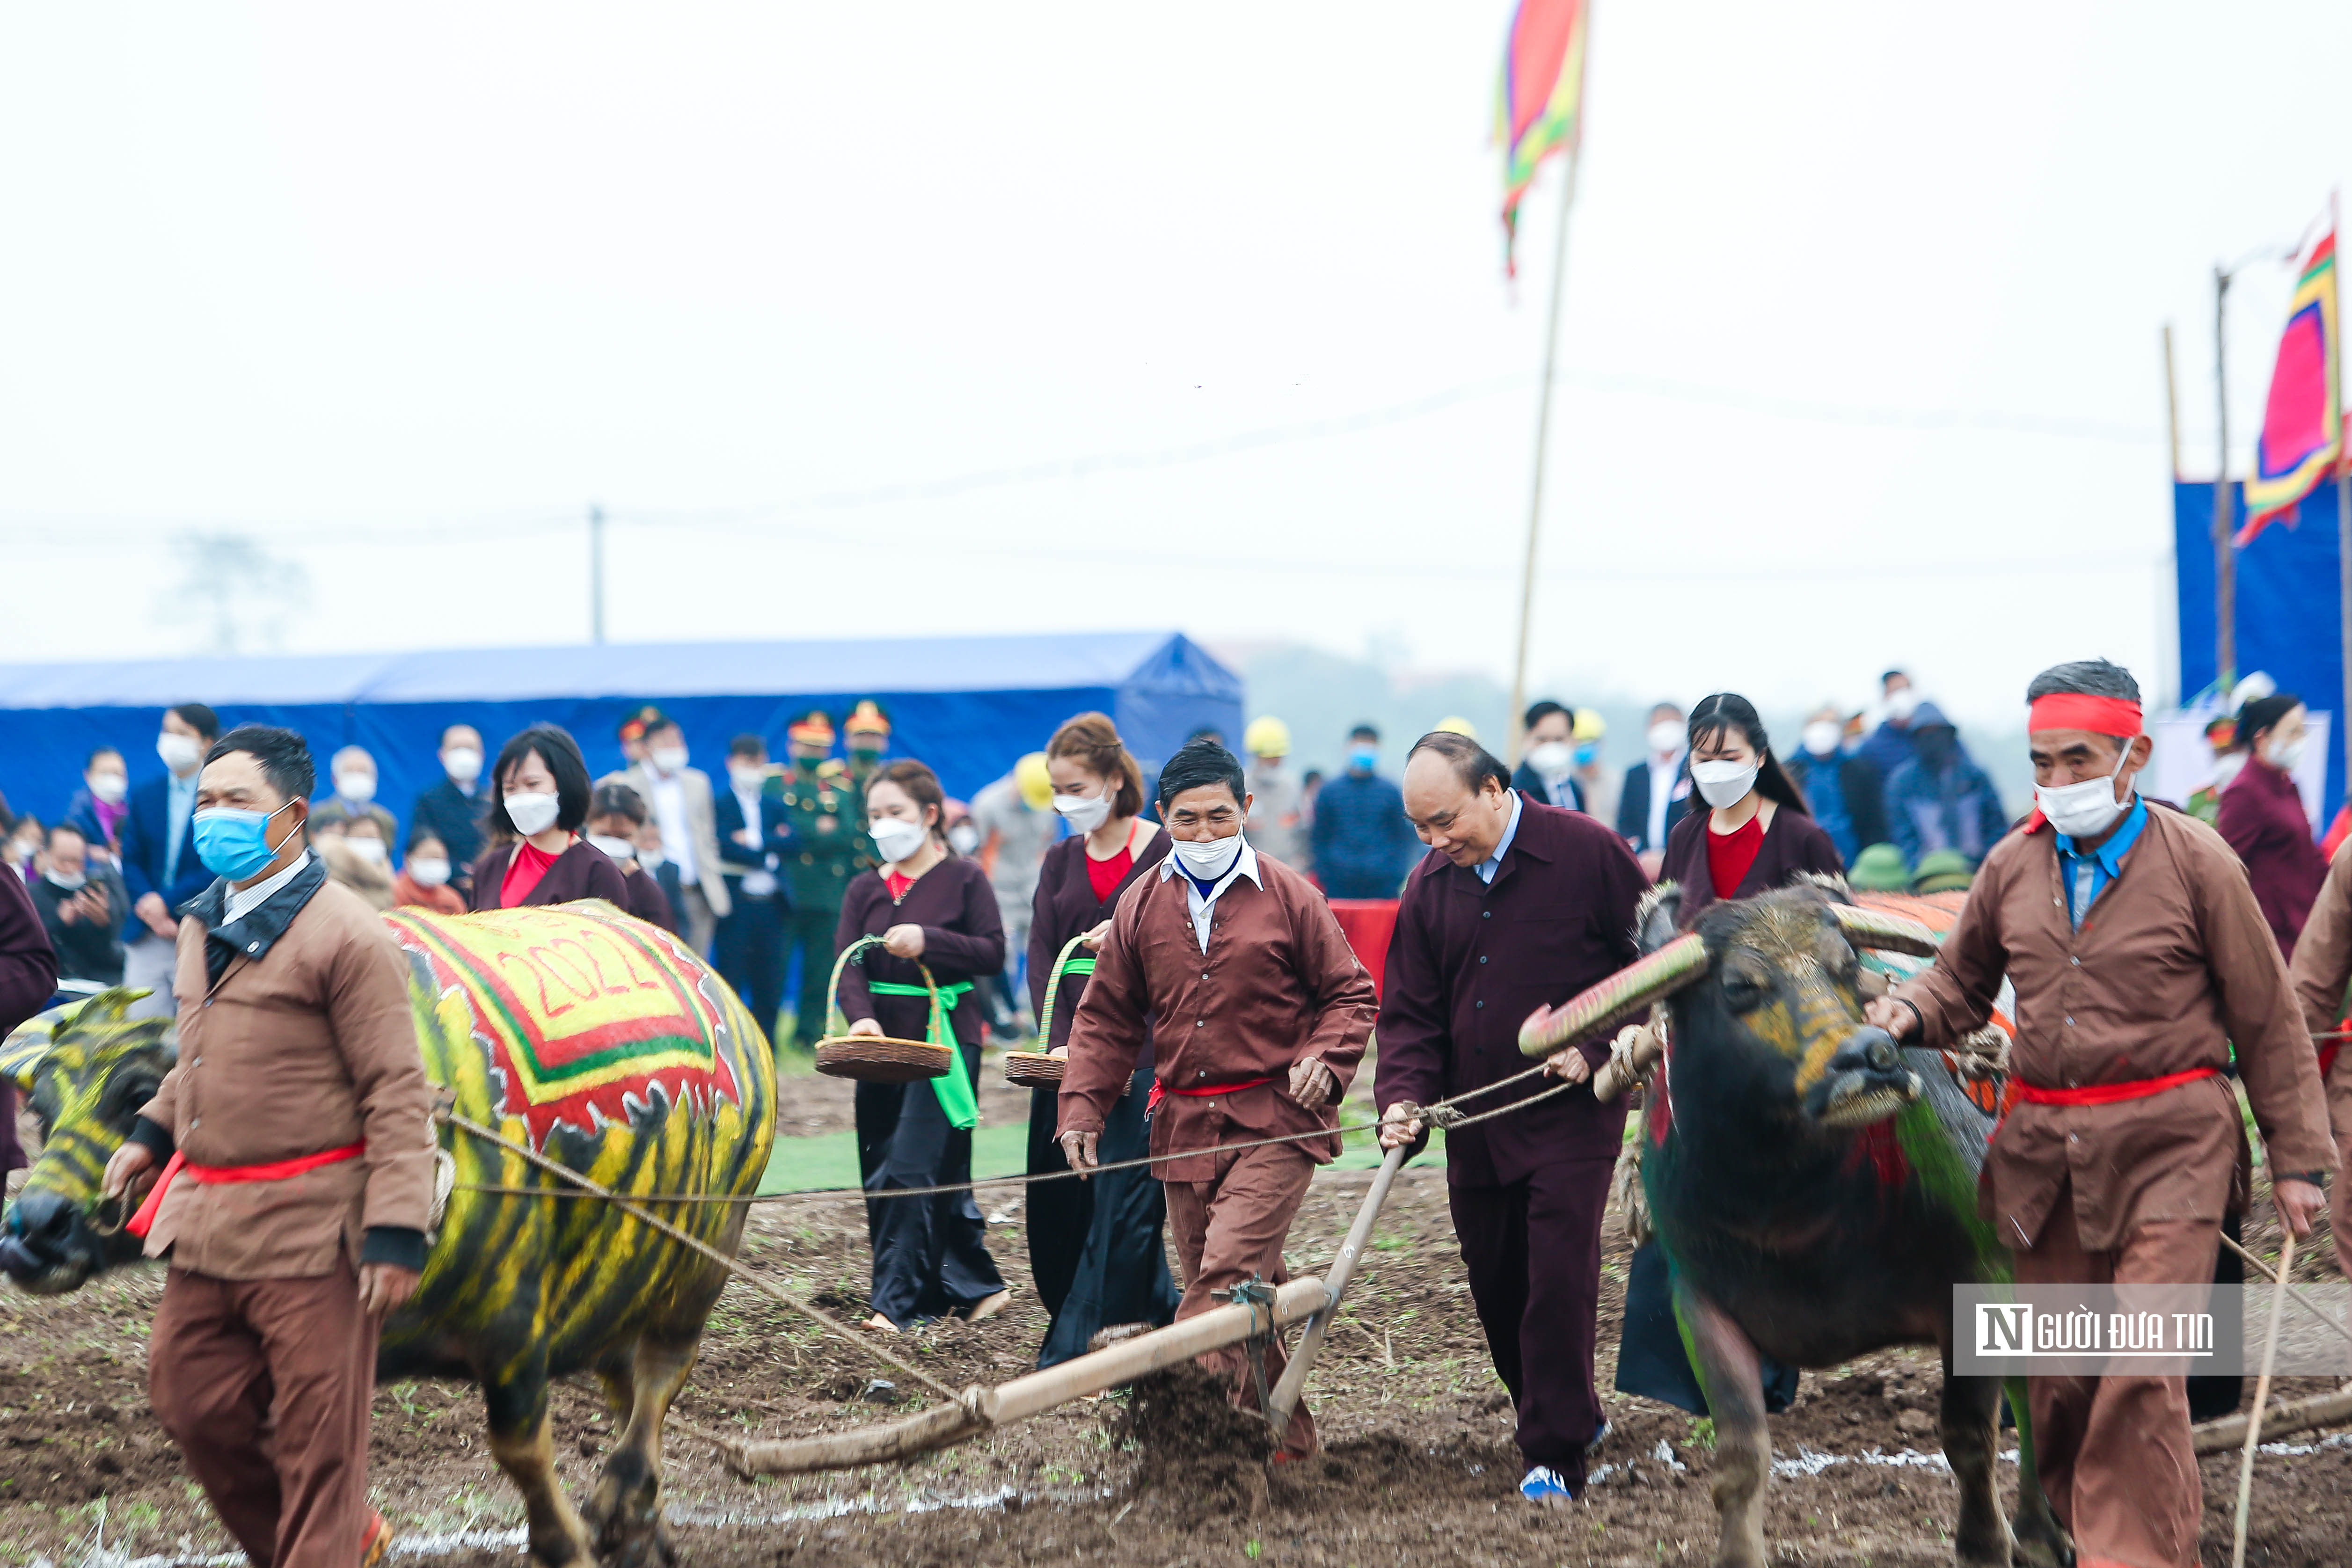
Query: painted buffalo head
(86, 1070)
(1764, 1001)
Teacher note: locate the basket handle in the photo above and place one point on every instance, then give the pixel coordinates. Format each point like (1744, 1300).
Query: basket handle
(1052, 989)
(836, 1023)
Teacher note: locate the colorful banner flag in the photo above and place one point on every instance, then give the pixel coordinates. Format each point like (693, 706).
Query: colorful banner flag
(1540, 106)
(2303, 425)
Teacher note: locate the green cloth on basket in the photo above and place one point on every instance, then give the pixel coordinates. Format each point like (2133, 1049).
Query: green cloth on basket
(954, 1090)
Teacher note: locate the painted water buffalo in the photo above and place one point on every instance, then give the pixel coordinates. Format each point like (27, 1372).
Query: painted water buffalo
(1812, 1185)
(597, 1041)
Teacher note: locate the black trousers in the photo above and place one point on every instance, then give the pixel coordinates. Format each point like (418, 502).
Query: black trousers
(931, 1254)
(1532, 1250)
(1108, 1262)
(751, 954)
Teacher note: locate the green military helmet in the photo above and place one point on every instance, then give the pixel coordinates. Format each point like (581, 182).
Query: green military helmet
(1942, 871)
(1879, 868)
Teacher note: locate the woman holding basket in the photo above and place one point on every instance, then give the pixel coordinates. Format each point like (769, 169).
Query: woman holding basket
(925, 917)
(1094, 1246)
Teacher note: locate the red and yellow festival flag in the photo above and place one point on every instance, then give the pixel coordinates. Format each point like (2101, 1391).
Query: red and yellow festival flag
(2303, 425)
(1539, 107)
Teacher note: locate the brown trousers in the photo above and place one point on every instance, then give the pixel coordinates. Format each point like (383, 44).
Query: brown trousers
(2338, 1085)
(1226, 1230)
(265, 1384)
(2113, 1452)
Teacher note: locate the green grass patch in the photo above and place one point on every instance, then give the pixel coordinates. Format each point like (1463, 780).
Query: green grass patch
(829, 1159)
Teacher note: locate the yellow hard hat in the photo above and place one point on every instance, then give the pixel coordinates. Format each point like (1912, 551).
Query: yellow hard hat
(1037, 785)
(1459, 726)
(1266, 737)
(1588, 724)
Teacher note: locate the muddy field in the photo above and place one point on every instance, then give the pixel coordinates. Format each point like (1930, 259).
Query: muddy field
(1419, 1466)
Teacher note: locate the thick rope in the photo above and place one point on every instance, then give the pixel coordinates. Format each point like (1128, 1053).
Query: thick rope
(630, 1207)
(1440, 1114)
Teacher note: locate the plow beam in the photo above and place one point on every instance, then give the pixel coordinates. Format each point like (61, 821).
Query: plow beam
(979, 1408)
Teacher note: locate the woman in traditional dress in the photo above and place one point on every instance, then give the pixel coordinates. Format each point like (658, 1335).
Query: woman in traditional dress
(536, 853)
(1756, 834)
(1094, 1246)
(931, 909)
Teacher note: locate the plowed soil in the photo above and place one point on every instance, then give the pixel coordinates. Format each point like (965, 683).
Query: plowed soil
(1418, 1464)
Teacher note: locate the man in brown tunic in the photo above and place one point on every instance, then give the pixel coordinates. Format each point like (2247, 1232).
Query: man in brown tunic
(1233, 966)
(2322, 970)
(297, 1128)
(2140, 959)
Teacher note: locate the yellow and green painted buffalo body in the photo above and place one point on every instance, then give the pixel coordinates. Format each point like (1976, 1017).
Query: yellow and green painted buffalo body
(597, 1041)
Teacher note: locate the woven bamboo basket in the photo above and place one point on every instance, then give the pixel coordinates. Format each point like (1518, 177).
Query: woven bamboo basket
(1042, 1068)
(875, 1058)
(1033, 1069)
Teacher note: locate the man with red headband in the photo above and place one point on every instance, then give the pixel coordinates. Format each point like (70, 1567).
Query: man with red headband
(2140, 958)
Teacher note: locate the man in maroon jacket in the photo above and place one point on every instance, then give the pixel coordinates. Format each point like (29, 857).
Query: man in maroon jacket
(1257, 1011)
(1522, 906)
(28, 978)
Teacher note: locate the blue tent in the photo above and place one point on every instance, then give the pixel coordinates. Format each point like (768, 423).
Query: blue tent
(967, 705)
(2288, 612)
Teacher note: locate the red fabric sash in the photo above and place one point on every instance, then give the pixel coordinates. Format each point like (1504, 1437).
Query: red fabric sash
(2327, 1057)
(1161, 1091)
(214, 1176)
(2111, 1094)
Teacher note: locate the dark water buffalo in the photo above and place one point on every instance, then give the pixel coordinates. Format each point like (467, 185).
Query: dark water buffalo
(1813, 1187)
(597, 1041)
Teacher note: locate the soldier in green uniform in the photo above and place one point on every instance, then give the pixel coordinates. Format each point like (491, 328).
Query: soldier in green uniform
(828, 847)
(867, 733)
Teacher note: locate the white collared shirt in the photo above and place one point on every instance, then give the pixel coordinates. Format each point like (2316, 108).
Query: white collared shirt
(1664, 773)
(1245, 865)
(677, 833)
(1487, 868)
(244, 901)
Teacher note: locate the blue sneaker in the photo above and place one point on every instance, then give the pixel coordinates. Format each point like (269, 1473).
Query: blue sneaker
(1545, 1485)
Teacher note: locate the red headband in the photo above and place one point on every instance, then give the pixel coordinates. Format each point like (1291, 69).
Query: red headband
(2080, 710)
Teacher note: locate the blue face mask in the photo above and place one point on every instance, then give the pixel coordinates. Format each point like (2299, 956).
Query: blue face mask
(1363, 757)
(233, 843)
(1586, 752)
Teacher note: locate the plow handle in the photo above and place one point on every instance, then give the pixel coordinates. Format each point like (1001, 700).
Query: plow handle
(1284, 1398)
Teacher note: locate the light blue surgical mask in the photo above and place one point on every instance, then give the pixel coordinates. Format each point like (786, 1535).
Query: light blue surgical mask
(1363, 757)
(235, 843)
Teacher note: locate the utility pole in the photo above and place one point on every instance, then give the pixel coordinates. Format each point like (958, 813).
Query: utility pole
(2225, 585)
(595, 574)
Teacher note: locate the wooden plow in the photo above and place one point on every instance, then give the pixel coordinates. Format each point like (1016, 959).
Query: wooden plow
(979, 1409)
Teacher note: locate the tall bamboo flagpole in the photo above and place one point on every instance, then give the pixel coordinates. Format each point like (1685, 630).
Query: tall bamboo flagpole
(2225, 587)
(2342, 507)
(1543, 436)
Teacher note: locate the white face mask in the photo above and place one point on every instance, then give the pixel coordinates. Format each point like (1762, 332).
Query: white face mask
(359, 789)
(1902, 706)
(108, 788)
(1723, 784)
(1665, 737)
(747, 776)
(650, 860)
(531, 814)
(895, 840)
(2079, 810)
(369, 850)
(2285, 755)
(462, 763)
(1207, 862)
(669, 759)
(963, 838)
(180, 752)
(1821, 736)
(618, 849)
(71, 882)
(1552, 757)
(427, 872)
(1083, 813)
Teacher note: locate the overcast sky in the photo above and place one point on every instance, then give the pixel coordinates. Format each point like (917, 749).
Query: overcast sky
(873, 318)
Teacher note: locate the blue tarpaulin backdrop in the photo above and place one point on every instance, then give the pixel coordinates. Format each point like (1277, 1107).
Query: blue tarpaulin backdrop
(968, 705)
(2289, 607)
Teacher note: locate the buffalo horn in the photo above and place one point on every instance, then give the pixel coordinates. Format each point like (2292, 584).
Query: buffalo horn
(1621, 994)
(1887, 932)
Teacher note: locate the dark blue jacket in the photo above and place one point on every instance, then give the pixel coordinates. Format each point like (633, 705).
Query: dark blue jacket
(1530, 782)
(1364, 846)
(455, 818)
(775, 839)
(1634, 805)
(146, 846)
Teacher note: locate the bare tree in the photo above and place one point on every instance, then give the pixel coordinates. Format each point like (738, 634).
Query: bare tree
(235, 591)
